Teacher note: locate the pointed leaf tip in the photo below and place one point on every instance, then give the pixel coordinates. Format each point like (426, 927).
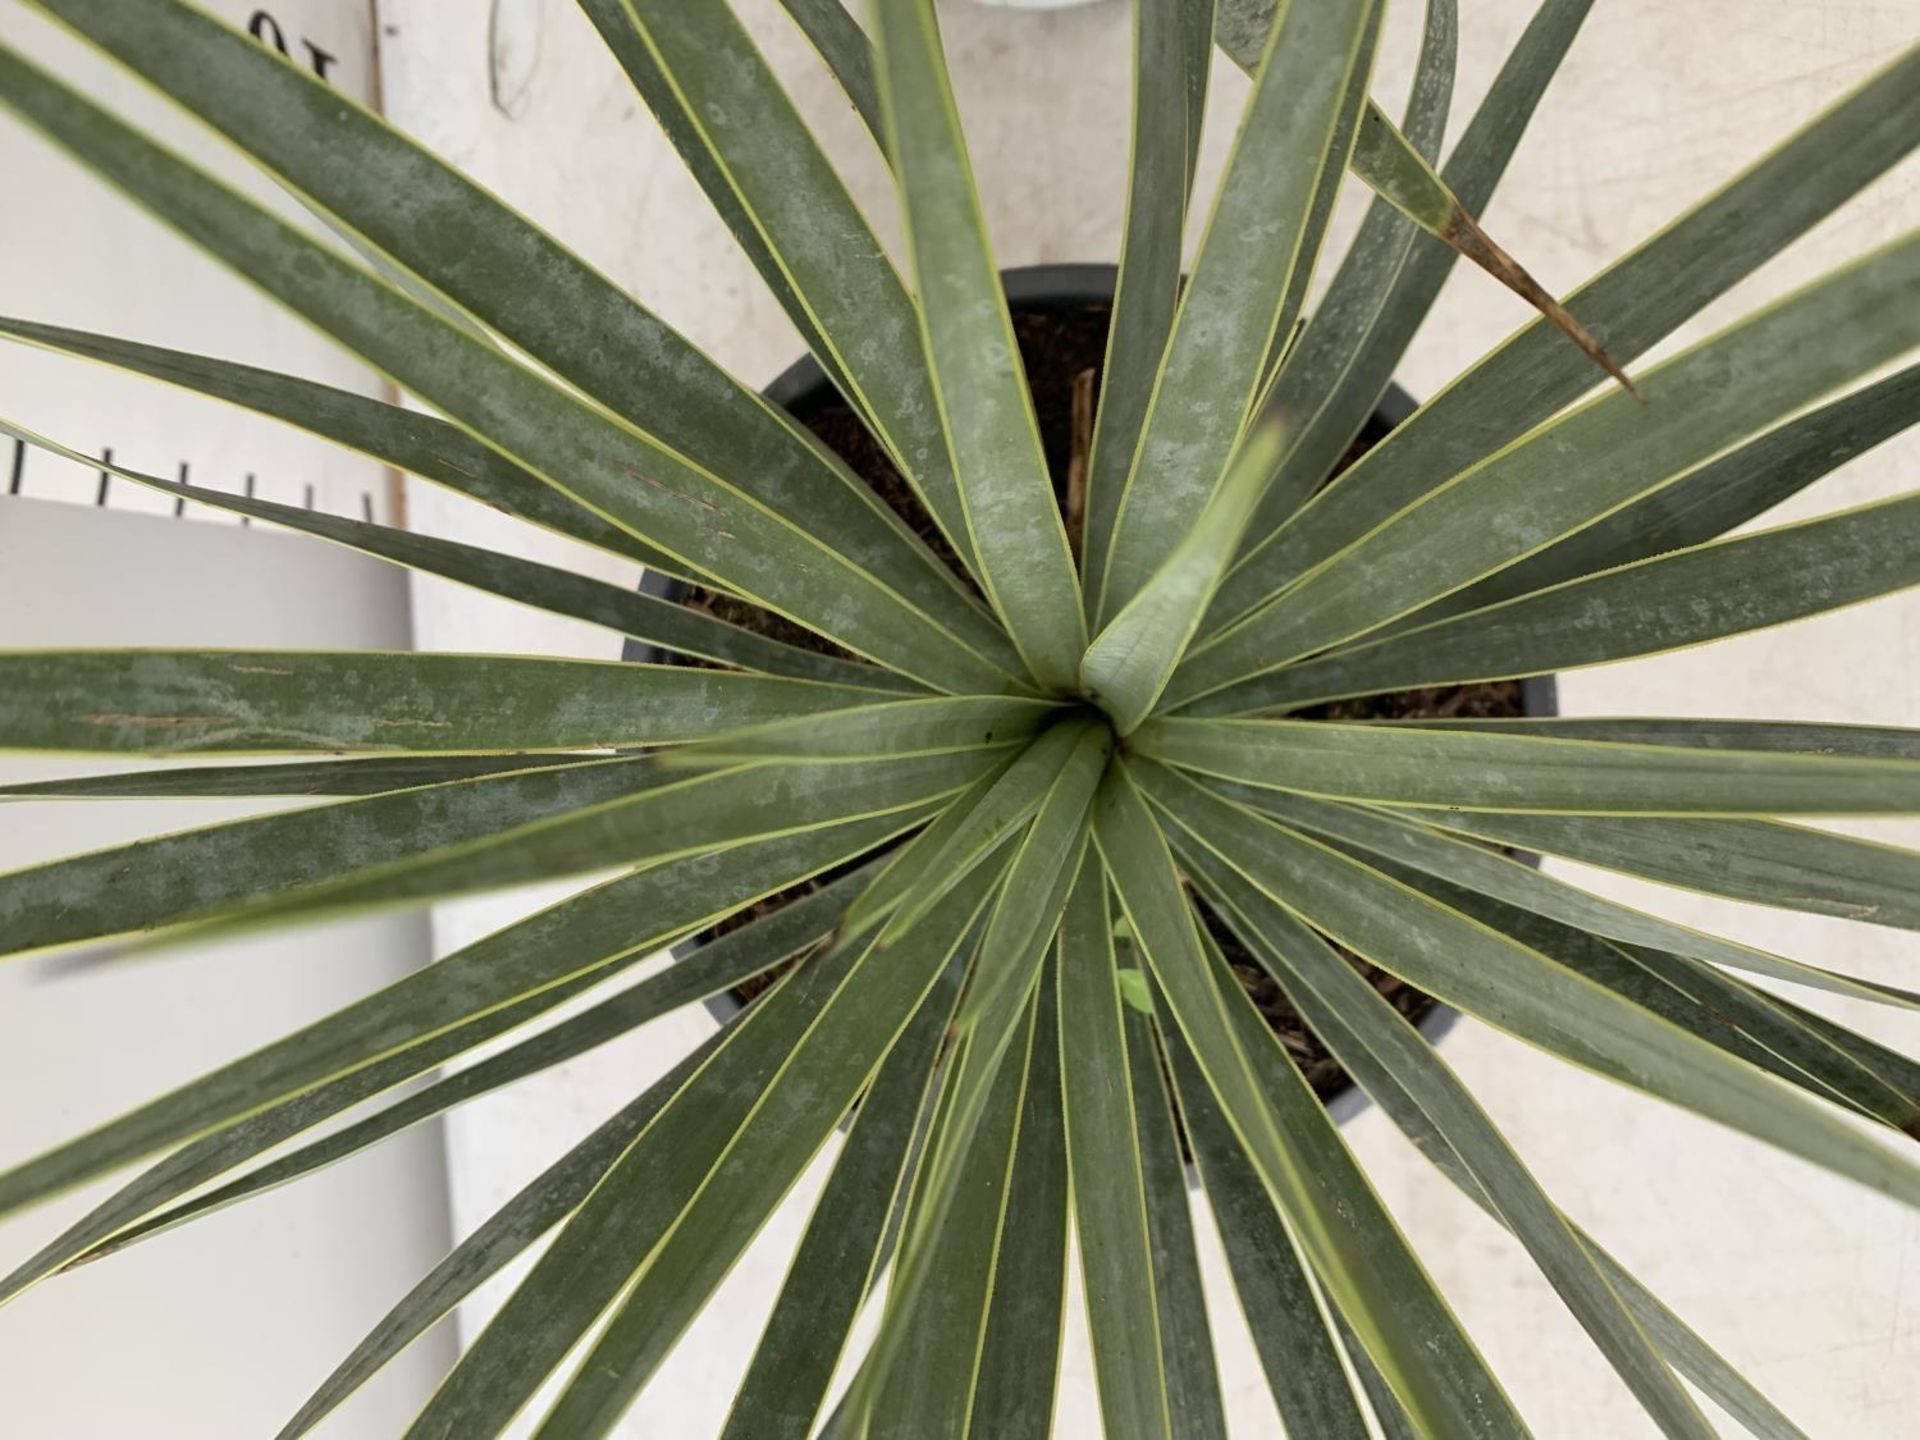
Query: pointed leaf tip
(1464, 234)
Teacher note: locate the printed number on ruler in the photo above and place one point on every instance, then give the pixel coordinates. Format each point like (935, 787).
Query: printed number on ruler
(267, 30)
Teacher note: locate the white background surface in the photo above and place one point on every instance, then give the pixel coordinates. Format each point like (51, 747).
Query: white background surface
(1811, 1285)
(218, 1330)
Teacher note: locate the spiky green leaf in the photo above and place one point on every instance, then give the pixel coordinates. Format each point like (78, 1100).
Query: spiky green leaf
(1212, 374)
(1510, 985)
(180, 702)
(1649, 607)
(1571, 472)
(637, 483)
(431, 1016)
(1405, 840)
(1767, 862)
(422, 445)
(733, 122)
(1129, 663)
(663, 623)
(1427, 1098)
(1311, 1178)
(1104, 1157)
(1487, 770)
(1172, 43)
(1632, 304)
(1005, 491)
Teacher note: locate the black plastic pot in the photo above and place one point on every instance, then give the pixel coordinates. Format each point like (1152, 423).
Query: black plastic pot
(802, 388)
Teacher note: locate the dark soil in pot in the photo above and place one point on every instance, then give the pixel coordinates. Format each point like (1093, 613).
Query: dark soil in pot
(1062, 337)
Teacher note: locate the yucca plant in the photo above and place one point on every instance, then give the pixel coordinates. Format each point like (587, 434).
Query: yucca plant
(1039, 786)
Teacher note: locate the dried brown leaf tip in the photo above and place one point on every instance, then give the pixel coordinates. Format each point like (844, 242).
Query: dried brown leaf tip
(1466, 236)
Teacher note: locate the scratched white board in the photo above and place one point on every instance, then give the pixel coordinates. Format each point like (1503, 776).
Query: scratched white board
(72, 252)
(220, 1330)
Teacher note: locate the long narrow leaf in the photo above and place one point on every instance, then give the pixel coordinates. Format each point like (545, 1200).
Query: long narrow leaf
(1714, 1007)
(831, 29)
(944, 1331)
(679, 1146)
(1398, 837)
(1400, 173)
(912, 996)
(1348, 125)
(1388, 1413)
(446, 839)
(1311, 1178)
(1717, 1008)
(1005, 492)
(1172, 43)
(1019, 934)
(838, 995)
(1290, 1333)
(406, 439)
(1323, 363)
(1569, 473)
(1487, 770)
(1901, 1070)
(1669, 602)
(746, 541)
(177, 702)
(1845, 1072)
(532, 290)
(1519, 990)
(1762, 861)
(839, 1257)
(343, 778)
(430, 1016)
(707, 812)
(1040, 875)
(1104, 1158)
(1215, 361)
(997, 1010)
(642, 68)
(1388, 281)
(1020, 1346)
(1885, 742)
(536, 1208)
(1427, 1099)
(659, 622)
(712, 968)
(195, 874)
(1634, 303)
(1129, 663)
(865, 732)
(760, 154)
(1187, 1355)
(1705, 505)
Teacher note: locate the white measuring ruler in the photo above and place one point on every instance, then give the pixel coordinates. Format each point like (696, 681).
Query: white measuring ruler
(74, 253)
